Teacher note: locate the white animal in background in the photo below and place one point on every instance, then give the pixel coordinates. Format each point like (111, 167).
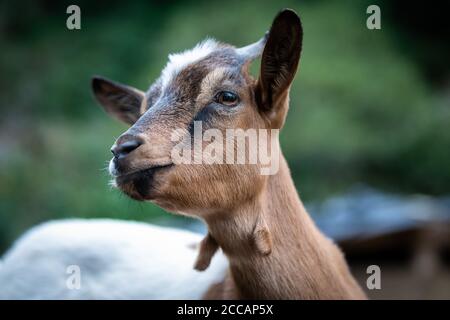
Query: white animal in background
(116, 260)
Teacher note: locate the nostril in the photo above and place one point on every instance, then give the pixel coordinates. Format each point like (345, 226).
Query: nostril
(123, 149)
(129, 146)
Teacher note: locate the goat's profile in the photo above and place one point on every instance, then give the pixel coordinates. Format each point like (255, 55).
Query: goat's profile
(273, 248)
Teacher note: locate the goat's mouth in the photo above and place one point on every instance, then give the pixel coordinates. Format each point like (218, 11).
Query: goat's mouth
(140, 184)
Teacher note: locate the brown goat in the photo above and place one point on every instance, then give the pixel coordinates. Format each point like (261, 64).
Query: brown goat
(274, 249)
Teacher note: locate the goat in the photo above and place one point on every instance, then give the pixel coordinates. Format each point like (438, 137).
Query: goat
(273, 248)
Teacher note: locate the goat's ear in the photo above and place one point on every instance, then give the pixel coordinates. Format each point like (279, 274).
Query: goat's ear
(122, 102)
(278, 66)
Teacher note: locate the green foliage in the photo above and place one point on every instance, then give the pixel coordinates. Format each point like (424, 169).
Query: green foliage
(360, 111)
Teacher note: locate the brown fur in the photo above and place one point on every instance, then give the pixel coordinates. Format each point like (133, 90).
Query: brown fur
(274, 249)
(303, 264)
(208, 247)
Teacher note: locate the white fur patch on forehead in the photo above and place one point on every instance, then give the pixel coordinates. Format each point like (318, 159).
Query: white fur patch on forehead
(178, 61)
(210, 81)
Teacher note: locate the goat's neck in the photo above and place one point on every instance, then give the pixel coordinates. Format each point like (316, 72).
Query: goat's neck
(302, 264)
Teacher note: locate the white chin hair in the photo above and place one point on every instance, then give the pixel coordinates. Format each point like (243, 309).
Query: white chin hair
(112, 183)
(112, 169)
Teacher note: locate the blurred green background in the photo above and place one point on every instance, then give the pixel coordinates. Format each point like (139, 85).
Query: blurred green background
(367, 106)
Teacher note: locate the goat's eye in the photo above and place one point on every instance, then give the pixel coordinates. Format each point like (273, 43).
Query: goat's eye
(227, 98)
